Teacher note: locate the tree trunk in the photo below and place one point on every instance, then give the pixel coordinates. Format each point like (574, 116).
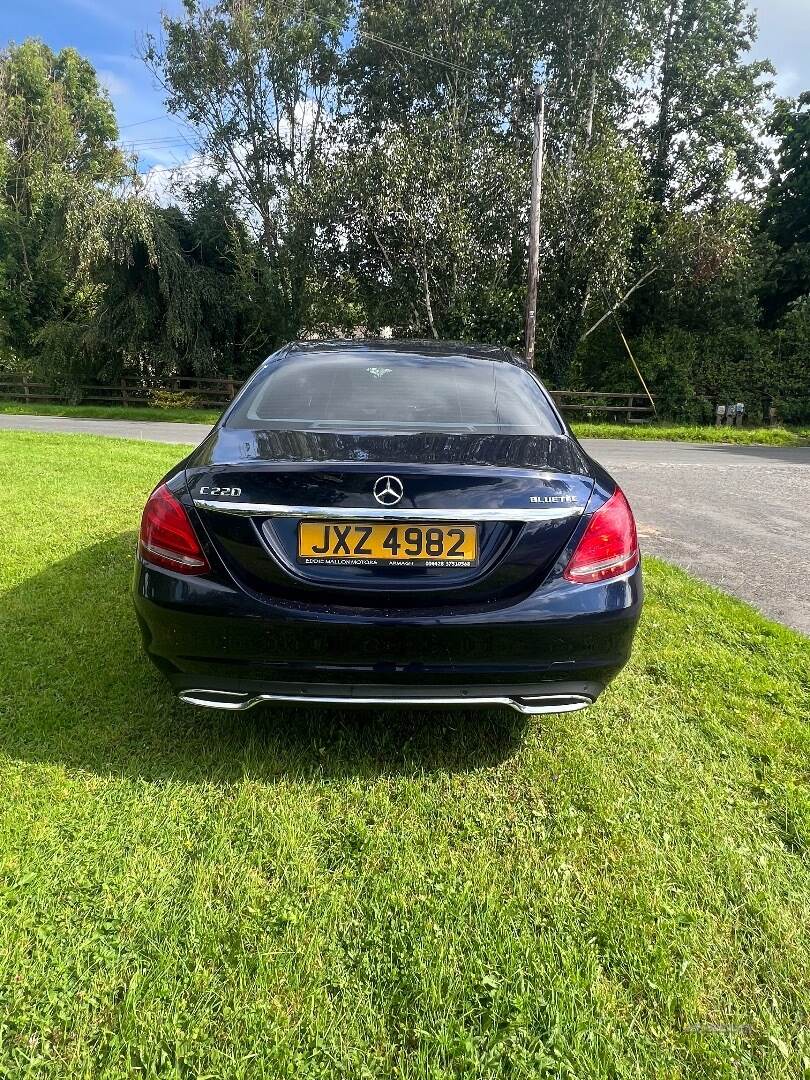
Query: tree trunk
(591, 109)
(659, 171)
(428, 304)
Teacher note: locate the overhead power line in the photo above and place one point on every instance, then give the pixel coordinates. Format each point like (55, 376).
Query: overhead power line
(147, 144)
(416, 53)
(391, 44)
(151, 120)
(190, 166)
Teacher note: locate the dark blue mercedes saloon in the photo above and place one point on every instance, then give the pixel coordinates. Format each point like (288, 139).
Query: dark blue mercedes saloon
(389, 523)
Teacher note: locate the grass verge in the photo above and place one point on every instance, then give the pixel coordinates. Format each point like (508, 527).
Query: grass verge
(695, 433)
(677, 432)
(616, 893)
(114, 412)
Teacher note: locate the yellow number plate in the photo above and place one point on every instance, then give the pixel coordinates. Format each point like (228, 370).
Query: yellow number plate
(372, 543)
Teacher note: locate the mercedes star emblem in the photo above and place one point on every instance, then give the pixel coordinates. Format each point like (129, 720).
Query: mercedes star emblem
(388, 490)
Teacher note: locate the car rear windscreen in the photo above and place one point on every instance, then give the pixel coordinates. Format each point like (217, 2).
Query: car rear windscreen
(334, 391)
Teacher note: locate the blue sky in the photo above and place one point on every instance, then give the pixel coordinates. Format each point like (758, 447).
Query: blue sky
(108, 33)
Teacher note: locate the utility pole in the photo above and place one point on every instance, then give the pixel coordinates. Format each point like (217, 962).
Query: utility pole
(534, 220)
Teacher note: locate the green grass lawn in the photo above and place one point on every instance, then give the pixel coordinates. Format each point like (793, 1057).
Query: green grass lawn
(618, 893)
(585, 430)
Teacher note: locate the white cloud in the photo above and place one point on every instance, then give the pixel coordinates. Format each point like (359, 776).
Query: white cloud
(115, 85)
(123, 60)
(160, 181)
(789, 83)
(108, 13)
(784, 38)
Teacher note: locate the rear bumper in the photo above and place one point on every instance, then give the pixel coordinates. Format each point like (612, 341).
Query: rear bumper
(211, 640)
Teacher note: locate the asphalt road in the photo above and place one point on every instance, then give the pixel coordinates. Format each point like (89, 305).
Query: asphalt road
(736, 516)
(151, 430)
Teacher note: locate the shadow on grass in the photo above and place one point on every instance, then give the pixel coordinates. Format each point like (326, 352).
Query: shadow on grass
(78, 691)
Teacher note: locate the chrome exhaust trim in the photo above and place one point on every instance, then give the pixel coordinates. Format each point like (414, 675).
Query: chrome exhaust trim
(536, 705)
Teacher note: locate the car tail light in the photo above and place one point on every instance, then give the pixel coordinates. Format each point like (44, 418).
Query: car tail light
(609, 545)
(167, 536)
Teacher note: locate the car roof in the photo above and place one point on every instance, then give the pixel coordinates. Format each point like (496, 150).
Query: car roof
(428, 348)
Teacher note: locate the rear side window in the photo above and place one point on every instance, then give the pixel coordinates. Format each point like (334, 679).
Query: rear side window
(335, 391)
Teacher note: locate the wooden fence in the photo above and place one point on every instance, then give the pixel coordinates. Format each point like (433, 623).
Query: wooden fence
(634, 408)
(216, 393)
(200, 392)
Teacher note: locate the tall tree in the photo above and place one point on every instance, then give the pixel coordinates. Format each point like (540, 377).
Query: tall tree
(57, 134)
(786, 214)
(590, 51)
(258, 83)
(699, 115)
(697, 120)
(439, 108)
(432, 169)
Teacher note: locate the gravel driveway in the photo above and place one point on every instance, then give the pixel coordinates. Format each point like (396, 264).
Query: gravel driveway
(736, 516)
